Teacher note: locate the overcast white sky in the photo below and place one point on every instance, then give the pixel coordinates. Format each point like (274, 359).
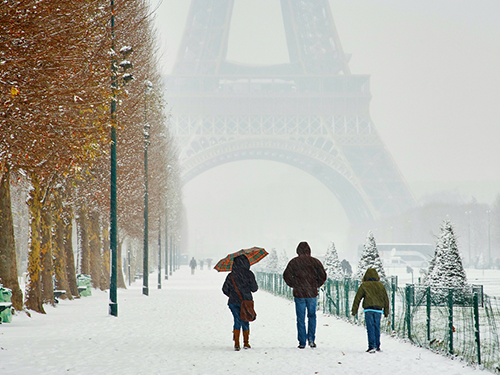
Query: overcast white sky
(435, 82)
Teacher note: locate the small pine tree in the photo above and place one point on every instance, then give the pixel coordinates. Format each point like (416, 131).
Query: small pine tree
(332, 263)
(272, 262)
(446, 269)
(282, 261)
(370, 259)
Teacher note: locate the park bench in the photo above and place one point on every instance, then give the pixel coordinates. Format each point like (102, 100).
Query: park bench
(4, 306)
(57, 294)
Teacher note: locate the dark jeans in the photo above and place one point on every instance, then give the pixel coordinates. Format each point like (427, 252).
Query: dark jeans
(238, 323)
(372, 320)
(301, 304)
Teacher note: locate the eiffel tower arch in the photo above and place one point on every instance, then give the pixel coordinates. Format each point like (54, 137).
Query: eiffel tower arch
(311, 113)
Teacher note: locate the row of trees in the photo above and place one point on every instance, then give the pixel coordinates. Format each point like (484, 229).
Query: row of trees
(445, 268)
(55, 125)
(477, 226)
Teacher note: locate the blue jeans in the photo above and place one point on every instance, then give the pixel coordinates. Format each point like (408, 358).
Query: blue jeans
(301, 304)
(238, 323)
(372, 320)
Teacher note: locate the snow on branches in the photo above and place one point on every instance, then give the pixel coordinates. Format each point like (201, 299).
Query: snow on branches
(445, 268)
(332, 263)
(370, 259)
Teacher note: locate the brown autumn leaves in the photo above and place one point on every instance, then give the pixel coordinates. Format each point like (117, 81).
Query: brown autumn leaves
(55, 82)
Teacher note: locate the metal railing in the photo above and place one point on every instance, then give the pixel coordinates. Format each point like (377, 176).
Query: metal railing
(451, 322)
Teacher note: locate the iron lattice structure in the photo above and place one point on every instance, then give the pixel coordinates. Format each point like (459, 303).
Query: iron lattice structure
(311, 113)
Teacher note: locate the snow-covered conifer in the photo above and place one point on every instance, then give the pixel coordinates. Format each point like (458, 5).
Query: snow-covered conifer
(370, 259)
(282, 261)
(446, 269)
(272, 262)
(332, 263)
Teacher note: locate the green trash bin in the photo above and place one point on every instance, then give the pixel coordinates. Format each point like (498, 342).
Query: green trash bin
(83, 281)
(5, 296)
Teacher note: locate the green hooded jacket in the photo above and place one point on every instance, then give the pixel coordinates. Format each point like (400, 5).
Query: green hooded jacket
(373, 294)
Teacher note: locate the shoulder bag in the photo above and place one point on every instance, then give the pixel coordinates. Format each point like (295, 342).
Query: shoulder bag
(247, 313)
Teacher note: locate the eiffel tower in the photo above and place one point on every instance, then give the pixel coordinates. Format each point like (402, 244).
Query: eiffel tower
(311, 113)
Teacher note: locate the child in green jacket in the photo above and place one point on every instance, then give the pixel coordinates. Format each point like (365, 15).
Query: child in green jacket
(375, 303)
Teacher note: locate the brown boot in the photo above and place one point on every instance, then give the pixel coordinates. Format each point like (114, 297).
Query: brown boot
(236, 338)
(246, 345)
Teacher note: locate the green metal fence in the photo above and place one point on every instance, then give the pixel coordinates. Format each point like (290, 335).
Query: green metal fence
(446, 321)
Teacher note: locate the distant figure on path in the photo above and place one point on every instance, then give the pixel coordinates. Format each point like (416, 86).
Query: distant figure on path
(201, 264)
(192, 264)
(375, 303)
(242, 278)
(305, 275)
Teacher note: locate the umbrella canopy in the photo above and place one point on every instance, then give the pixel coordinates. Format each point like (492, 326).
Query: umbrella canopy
(254, 255)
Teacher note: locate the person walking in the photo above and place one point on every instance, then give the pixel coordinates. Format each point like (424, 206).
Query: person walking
(240, 282)
(305, 275)
(192, 264)
(375, 303)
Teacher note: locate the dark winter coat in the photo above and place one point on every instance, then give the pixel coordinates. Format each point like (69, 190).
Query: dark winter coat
(373, 294)
(244, 280)
(304, 273)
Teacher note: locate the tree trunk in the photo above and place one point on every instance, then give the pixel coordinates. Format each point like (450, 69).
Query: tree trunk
(61, 281)
(106, 263)
(34, 286)
(8, 262)
(83, 230)
(95, 249)
(46, 256)
(68, 250)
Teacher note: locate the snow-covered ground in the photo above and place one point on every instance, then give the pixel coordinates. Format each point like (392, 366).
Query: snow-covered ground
(186, 328)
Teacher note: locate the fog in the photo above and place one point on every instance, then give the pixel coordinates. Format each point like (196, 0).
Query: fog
(435, 85)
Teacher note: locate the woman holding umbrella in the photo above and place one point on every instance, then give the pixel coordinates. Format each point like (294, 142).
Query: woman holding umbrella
(239, 284)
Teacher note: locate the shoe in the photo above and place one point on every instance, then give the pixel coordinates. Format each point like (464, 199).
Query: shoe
(312, 344)
(378, 350)
(301, 346)
(371, 350)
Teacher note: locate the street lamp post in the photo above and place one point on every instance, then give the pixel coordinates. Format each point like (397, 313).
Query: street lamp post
(145, 269)
(113, 221)
(113, 304)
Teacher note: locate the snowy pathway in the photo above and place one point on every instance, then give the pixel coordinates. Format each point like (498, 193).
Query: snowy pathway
(186, 328)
